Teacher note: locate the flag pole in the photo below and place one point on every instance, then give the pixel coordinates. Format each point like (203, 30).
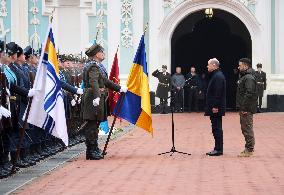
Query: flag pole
(97, 34)
(117, 48)
(113, 122)
(146, 28)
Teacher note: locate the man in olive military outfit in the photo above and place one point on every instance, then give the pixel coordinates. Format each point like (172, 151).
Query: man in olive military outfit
(163, 87)
(247, 104)
(260, 77)
(94, 99)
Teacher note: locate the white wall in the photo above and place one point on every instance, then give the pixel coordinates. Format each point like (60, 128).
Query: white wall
(113, 27)
(263, 15)
(68, 36)
(19, 23)
(156, 14)
(280, 36)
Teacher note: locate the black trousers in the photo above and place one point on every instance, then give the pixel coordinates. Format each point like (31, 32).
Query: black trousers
(217, 131)
(178, 100)
(259, 101)
(91, 133)
(192, 99)
(163, 104)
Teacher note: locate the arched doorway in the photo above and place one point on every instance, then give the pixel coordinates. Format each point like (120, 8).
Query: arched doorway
(186, 8)
(198, 38)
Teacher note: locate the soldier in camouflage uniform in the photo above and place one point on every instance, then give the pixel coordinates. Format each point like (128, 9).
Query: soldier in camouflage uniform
(94, 99)
(260, 77)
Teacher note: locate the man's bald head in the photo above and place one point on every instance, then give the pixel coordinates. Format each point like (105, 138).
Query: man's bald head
(213, 64)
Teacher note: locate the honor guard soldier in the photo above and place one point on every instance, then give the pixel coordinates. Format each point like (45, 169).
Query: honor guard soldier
(163, 87)
(260, 77)
(18, 100)
(94, 100)
(5, 114)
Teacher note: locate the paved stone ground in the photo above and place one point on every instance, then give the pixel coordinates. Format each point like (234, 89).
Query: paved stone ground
(132, 165)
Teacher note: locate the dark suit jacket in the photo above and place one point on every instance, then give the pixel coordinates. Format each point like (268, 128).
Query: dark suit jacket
(216, 94)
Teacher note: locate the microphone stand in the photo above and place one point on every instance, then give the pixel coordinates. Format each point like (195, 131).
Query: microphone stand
(173, 149)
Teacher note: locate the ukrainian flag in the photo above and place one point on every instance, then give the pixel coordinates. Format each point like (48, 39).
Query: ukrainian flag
(136, 107)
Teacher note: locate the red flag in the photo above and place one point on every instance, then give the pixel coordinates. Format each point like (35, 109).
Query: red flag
(114, 77)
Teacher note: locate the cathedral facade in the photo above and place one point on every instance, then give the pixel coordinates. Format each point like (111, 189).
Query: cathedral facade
(179, 32)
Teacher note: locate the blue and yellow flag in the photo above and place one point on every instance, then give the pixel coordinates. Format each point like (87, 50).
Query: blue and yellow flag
(136, 107)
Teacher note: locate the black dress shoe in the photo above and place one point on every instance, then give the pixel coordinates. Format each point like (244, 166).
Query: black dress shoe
(214, 153)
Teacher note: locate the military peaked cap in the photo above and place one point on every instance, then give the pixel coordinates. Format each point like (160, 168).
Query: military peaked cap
(12, 48)
(94, 49)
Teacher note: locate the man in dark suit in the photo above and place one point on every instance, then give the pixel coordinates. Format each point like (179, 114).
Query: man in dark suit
(260, 78)
(163, 87)
(216, 104)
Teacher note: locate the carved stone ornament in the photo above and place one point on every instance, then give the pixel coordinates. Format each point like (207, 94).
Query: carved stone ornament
(126, 18)
(101, 25)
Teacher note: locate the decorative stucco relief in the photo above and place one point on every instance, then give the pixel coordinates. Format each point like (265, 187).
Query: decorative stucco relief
(101, 25)
(3, 14)
(127, 18)
(35, 38)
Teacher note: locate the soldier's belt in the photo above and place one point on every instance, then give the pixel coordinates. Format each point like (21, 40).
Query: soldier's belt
(13, 98)
(164, 84)
(260, 83)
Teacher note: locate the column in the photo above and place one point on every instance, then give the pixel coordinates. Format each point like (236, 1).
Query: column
(19, 22)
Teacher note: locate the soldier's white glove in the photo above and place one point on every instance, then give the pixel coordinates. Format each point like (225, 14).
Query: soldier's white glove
(4, 112)
(73, 102)
(8, 92)
(31, 92)
(79, 100)
(75, 97)
(123, 89)
(96, 102)
(80, 91)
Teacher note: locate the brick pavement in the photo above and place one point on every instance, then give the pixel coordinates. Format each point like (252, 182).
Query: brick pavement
(133, 166)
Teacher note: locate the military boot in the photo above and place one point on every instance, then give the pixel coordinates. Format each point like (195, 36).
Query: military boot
(3, 172)
(6, 163)
(44, 150)
(25, 157)
(92, 153)
(245, 153)
(33, 152)
(18, 162)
